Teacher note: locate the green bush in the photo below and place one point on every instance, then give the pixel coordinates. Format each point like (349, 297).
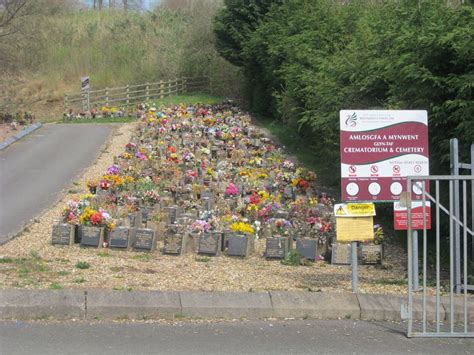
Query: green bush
(306, 60)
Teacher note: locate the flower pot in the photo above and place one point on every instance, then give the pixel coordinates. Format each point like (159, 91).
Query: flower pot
(91, 236)
(277, 247)
(210, 243)
(307, 248)
(370, 254)
(63, 234)
(240, 245)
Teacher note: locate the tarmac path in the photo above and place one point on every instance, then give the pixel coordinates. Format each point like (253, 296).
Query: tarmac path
(232, 337)
(34, 170)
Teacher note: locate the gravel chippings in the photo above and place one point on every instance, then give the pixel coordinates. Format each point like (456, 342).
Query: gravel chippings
(30, 261)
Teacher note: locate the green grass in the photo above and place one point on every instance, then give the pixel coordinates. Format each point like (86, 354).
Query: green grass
(79, 280)
(83, 265)
(7, 260)
(103, 254)
(400, 282)
(55, 286)
(100, 120)
(189, 99)
(142, 257)
(203, 259)
(306, 154)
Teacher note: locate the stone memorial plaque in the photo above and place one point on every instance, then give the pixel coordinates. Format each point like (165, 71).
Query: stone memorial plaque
(63, 234)
(239, 245)
(120, 238)
(370, 254)
(91, 236)
(210, 243)
(307, 248)
(341, 254)
(135, 219)
(173, 244)
(172, 213)
(144, 239)
(277, 247)
(147, 212)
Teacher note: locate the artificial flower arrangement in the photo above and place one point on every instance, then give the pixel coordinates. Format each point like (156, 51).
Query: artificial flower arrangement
(231, 190)
(242, 228)
(97, 218)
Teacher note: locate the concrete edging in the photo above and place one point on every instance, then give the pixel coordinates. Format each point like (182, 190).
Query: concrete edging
(6, 143)
(140, 305)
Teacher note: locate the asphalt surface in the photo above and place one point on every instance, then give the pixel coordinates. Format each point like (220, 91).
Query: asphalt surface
(35, 169)
(237, 337)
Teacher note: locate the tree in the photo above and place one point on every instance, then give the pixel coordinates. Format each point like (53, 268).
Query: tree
(10, 11)
(234, 25)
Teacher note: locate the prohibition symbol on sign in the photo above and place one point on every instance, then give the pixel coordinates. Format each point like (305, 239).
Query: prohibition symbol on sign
(352, 169)
(396, 169)
(417, 168)
(374, 169)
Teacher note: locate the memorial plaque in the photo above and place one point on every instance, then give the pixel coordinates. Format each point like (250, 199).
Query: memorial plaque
(172, 213)
(210, 243)
(63, 234)
(173, 244)
(135, 219)
(370, 254)
(120, 238)
(341, 254)
(144, 239)
(239, 245)
(147, 213)
(91, 236)
(307, 248)
(277, 247)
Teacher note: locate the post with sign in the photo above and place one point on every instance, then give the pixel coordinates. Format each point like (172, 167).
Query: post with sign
(379, 150)
(418, 219)
(354, 223)
(85, 88)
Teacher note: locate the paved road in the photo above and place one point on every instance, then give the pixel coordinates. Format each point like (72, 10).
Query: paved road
(35, 169)
(239, 337)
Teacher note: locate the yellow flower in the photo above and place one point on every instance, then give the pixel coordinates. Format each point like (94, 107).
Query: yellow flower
(242, 227)
(263, 194)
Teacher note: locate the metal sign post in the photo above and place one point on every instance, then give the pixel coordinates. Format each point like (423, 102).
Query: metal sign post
(354, 261)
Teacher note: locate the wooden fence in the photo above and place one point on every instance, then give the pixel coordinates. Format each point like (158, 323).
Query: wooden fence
(133, 94)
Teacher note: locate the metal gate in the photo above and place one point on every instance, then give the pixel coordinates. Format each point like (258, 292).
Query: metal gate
(443, 306)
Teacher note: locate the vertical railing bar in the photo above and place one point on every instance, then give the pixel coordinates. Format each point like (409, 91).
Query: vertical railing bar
(423, 199)
(472, 202)
(410, 260)
(451, 261)
(437, 259)
(464, 206)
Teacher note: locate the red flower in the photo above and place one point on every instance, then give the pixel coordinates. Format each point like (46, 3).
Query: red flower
(97, 218)
(255, 198)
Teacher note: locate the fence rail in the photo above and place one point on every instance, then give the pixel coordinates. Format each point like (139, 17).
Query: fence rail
(132, 94)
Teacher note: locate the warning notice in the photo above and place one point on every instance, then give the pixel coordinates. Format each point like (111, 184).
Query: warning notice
(400, 214)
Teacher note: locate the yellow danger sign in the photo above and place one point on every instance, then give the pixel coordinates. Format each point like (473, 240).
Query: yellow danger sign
(354, 229)
(354, 210)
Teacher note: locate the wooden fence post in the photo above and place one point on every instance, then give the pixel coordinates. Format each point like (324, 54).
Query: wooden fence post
(107, 97)
(147, 92)
(161, 89)
(128, 95)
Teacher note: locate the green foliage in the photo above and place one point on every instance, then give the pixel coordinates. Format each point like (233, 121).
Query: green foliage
(116, 48)
(293, 258)
(83, 265)
(306, 60)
